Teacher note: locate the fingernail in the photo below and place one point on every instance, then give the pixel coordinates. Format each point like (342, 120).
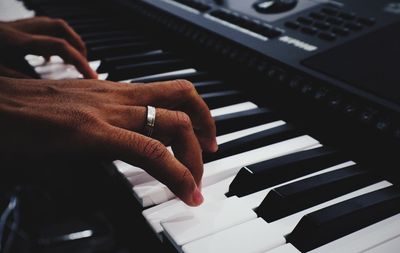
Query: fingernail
(197, 197)
(215, 145)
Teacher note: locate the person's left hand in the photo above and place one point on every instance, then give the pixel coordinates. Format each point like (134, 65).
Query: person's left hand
(45, 37)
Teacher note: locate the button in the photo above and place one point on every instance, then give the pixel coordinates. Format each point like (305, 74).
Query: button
(269, 31)
(354, 26)
(367, 21)
(334, 102)
(274, 6)
(327, 36)
(330, 11)
(335, 20)
(347, 15)
(309, 30)
(293, 25)
(350, 109)
(341, 31)
(322, 25)
(320, 94)
(307, 89)
(382, 125)
(317, 15)
(305, 21)
(295, 83)
(366, 116)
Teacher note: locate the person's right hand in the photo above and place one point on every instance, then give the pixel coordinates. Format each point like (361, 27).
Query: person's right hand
(44, 119)
(45, 37)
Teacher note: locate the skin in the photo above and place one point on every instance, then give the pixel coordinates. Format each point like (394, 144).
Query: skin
(100, 119)
(45, 37)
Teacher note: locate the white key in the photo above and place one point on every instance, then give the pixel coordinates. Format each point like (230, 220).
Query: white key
(227, 238)
(217, 191)
(102, 76)
(223, 168)
(287, 248)
(282, 227)
(35, 60)
(178, 72)
(391, 246)
(247, 237)
(366, 238)
(206, 219)
(233, 108)
(156, 214)
(95, 64)
(127, 169)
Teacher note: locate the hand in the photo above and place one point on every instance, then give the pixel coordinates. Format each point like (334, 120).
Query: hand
(46, 37)
(101, 119)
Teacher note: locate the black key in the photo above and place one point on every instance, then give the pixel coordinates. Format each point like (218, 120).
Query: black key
(330, 223)
(272, 172)
(83, 21)
(241, 120)
(209, 86)
(193, 77)
(252, 141)
(300, 195)
(223, 98)
(106, 34)
(96, 27)
(146, 68)
(112, 62)
(118, 49)
(115, 40)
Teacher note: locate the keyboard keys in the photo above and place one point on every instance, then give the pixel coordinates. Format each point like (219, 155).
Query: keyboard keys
(272, 172)
(206, 219)
(187, 74)
(300, 195)
(233, 109)
(146, 68)
(346, 217)
(233, 241)
(253, 141)
(156, 193)
(223, 98)
(370, 237)
(242, 120)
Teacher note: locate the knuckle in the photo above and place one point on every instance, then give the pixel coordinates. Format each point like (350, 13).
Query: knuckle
(183, 120)
(60, 22)
(154, 150)
(61, 44)
(185, 86)
(83, 117)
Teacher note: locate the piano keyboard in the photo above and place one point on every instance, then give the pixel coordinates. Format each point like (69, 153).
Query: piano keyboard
(271, 187)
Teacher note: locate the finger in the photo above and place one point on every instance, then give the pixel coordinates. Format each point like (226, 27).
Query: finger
(154, 157)
(47, 46)
(65, 31)
(181, 95)
(172, 128)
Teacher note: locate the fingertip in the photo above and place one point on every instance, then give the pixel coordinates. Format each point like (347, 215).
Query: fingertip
(214, 145)
(197, 197)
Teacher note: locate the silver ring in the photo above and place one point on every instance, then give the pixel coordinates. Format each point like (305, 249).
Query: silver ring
(150, 120)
